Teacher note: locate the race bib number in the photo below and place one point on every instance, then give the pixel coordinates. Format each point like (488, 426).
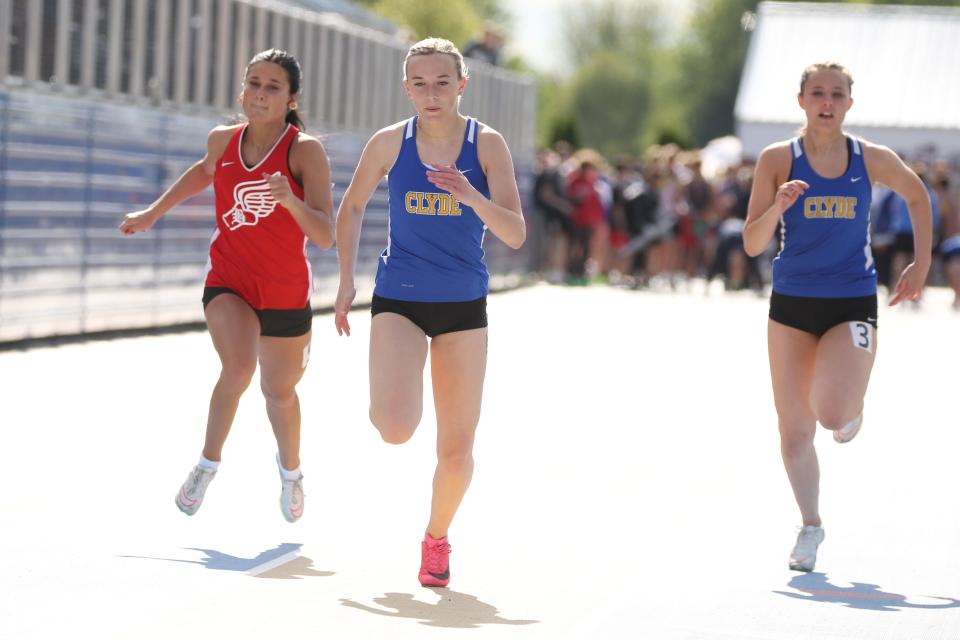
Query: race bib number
(862, 334)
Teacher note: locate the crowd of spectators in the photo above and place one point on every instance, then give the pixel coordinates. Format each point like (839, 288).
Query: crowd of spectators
(642, 221)
(892, 232)
(658, 221)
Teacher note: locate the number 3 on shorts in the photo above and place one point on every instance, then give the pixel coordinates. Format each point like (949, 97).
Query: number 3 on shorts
(862, 333)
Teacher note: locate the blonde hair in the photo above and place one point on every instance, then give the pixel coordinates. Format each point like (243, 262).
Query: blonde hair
(436, 45)
(591, 157)
(821, 66)
(830, 66)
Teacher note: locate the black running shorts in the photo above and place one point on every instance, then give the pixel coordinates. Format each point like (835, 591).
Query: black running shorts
(818, 315)
(277, 323)
(435, 318)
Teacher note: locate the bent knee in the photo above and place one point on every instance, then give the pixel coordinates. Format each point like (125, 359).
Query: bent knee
(394, 427)
(395, 434)
(833, 418)
(833, 410)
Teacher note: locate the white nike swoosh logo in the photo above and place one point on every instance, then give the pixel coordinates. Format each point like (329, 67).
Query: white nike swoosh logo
(223, 164)
(855, 179)
(465, 170)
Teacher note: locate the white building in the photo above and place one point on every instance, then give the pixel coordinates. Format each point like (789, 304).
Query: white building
(905, 63)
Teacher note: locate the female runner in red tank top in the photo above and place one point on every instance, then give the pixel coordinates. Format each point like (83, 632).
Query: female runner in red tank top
(272, 186)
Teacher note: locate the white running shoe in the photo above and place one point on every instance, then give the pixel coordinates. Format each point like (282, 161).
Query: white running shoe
(804, 555)
(849, 431)
(190, 496)
(291, 497)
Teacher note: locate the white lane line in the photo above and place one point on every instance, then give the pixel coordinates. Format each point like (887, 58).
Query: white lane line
(272, 564)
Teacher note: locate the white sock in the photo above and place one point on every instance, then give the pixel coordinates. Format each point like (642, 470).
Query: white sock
(208, 464)
(293, 474)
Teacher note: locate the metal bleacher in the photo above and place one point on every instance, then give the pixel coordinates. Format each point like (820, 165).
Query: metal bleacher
(93, 125)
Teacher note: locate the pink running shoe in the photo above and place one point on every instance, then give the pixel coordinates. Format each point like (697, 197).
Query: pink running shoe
(434, 562)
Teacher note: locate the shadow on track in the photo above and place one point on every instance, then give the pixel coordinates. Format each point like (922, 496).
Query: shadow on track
(281, 562)
(454, 610)
(859, 595)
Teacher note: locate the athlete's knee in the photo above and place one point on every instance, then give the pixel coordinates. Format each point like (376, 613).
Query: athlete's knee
(282, 396)
(394, 427)
(832, 407)
(795, 440)
(395, 433)
(458, 460)
(834, 416)
(236, 376)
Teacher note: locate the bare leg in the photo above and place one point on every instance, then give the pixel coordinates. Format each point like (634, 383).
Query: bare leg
(841, 373)
(458, 364)
(282, 363)
(792, 362)
(398, 353)
(235, 330)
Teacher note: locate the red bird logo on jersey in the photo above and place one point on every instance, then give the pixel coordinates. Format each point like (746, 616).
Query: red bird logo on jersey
(251, 201)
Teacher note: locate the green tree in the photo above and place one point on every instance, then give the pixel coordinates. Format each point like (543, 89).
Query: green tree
(927, 3)
(455, 20)
(667, 120)
(555, 119)
(610, 97)
(630, 28)
(710, 60)
(492, 10)
(615, 45)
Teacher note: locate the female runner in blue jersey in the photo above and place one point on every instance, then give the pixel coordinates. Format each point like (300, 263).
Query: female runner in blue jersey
(450, 178)
(822, 337)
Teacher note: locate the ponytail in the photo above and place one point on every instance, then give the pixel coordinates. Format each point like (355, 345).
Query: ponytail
(294, 118)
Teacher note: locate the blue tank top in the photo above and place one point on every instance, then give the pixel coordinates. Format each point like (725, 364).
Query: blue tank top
(825, 234)
(435, 244)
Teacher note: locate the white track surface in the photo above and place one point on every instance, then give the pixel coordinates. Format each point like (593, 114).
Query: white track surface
(628, 485)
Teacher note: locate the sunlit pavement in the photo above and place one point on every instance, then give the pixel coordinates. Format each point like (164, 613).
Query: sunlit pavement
(628, 485)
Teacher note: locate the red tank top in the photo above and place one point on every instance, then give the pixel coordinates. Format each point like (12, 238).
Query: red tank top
(258, 250)
(589, 211)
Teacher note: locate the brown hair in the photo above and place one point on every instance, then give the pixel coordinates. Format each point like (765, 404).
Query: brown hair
(436, 45)
(294, 77)
(820, 66)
